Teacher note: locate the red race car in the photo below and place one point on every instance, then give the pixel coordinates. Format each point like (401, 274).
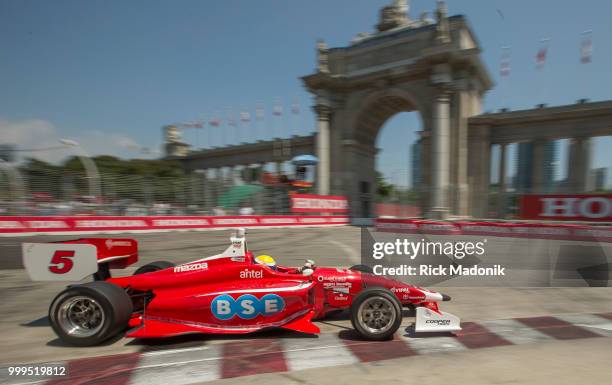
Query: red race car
(230, 293)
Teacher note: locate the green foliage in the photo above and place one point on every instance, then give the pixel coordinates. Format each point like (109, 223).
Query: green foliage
(136, 179)
(383, 189)
(144, 167)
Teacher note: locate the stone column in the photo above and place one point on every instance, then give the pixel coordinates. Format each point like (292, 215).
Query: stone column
(440, 156)
(537, 182)
(479, 162)
(461, 206)
(425, 187)
(579, 164)
(323, 150)
(501, 193)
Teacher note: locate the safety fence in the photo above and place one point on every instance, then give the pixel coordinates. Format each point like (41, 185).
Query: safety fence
(74, 193)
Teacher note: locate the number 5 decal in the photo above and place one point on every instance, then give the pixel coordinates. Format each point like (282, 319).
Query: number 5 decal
(61, 262)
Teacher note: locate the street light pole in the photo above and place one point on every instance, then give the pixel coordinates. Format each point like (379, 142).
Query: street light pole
(91, 169)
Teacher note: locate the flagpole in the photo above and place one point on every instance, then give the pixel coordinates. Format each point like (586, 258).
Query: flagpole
(540, 65)
(197, 135)
(504, 72)
(259, 119)
(209, 136)
(586, 54)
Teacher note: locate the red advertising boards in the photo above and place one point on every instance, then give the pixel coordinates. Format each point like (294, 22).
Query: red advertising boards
(560, 207)
(10, 225)
(310, 203)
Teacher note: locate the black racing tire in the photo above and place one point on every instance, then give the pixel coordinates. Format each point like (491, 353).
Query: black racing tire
(153, 266)
(391, 310)
(108, 306)
(362, 268)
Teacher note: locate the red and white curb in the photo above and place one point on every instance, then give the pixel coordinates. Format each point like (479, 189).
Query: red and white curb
(270, 355)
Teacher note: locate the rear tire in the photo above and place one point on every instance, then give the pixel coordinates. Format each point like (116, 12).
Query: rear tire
(362, 268)
(153, 266)
(88, 314)
(376, 314)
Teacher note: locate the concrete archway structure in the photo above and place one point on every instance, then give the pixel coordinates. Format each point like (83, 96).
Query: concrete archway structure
(430, 67)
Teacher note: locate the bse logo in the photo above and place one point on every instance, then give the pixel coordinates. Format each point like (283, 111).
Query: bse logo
(246, 306)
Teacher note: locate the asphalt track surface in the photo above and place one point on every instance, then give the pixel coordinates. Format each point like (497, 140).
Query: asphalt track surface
(514, 335)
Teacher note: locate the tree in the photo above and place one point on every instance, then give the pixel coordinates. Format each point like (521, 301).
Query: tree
(383, 189)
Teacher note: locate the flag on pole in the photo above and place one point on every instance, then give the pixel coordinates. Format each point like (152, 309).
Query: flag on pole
(295, 107)
(245, 116)
(586, 48)
(542, 53)
(231, 120)
(259, 112)
(215, 122)
(504, 65)
(199, 124)
(277, 110)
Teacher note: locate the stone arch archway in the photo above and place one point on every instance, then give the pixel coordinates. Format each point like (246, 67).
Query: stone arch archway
(434, 69)
(377, 107)
(373, 111)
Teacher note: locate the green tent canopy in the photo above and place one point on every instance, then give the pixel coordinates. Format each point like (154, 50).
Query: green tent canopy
(238, 194)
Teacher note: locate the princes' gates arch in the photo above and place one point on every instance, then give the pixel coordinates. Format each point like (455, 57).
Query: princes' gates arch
(430, 67)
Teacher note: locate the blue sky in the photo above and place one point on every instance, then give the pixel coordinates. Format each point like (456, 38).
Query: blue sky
(110, 73)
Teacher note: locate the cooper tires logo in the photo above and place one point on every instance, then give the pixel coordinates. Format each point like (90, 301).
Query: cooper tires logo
(438, 322)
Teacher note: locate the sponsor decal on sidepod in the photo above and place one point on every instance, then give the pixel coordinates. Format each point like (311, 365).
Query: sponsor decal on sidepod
(190, 267)
(247, 306)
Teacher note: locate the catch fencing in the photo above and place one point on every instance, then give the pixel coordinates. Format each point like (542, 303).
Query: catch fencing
(63, 193)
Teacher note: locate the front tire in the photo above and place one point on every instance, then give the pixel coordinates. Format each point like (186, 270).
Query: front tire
(153, 266)
(88, 314)
(376, 314)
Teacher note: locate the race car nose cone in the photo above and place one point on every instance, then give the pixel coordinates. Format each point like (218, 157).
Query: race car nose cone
(446, 297)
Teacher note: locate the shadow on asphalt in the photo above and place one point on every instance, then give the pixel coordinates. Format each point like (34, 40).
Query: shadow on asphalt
(409, 332)
(59, 343)
(42, 321)
(193, 340)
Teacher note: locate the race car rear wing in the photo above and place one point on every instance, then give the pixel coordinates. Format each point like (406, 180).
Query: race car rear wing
(74, 260)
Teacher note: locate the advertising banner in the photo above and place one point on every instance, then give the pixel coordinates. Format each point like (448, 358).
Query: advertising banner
(559, 207)
(110, 224)
(310, 203)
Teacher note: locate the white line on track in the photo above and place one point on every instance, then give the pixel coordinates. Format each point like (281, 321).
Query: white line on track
(173, 351)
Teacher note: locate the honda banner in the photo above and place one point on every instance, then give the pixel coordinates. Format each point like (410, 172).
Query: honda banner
(596, 207)
(310, 203)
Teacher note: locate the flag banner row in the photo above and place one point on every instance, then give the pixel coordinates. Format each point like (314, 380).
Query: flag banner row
(586, 53)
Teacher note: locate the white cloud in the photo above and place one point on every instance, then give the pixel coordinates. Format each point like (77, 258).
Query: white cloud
(37, 134)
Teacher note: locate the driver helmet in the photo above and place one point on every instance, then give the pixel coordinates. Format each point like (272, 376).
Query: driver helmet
(266, 260)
